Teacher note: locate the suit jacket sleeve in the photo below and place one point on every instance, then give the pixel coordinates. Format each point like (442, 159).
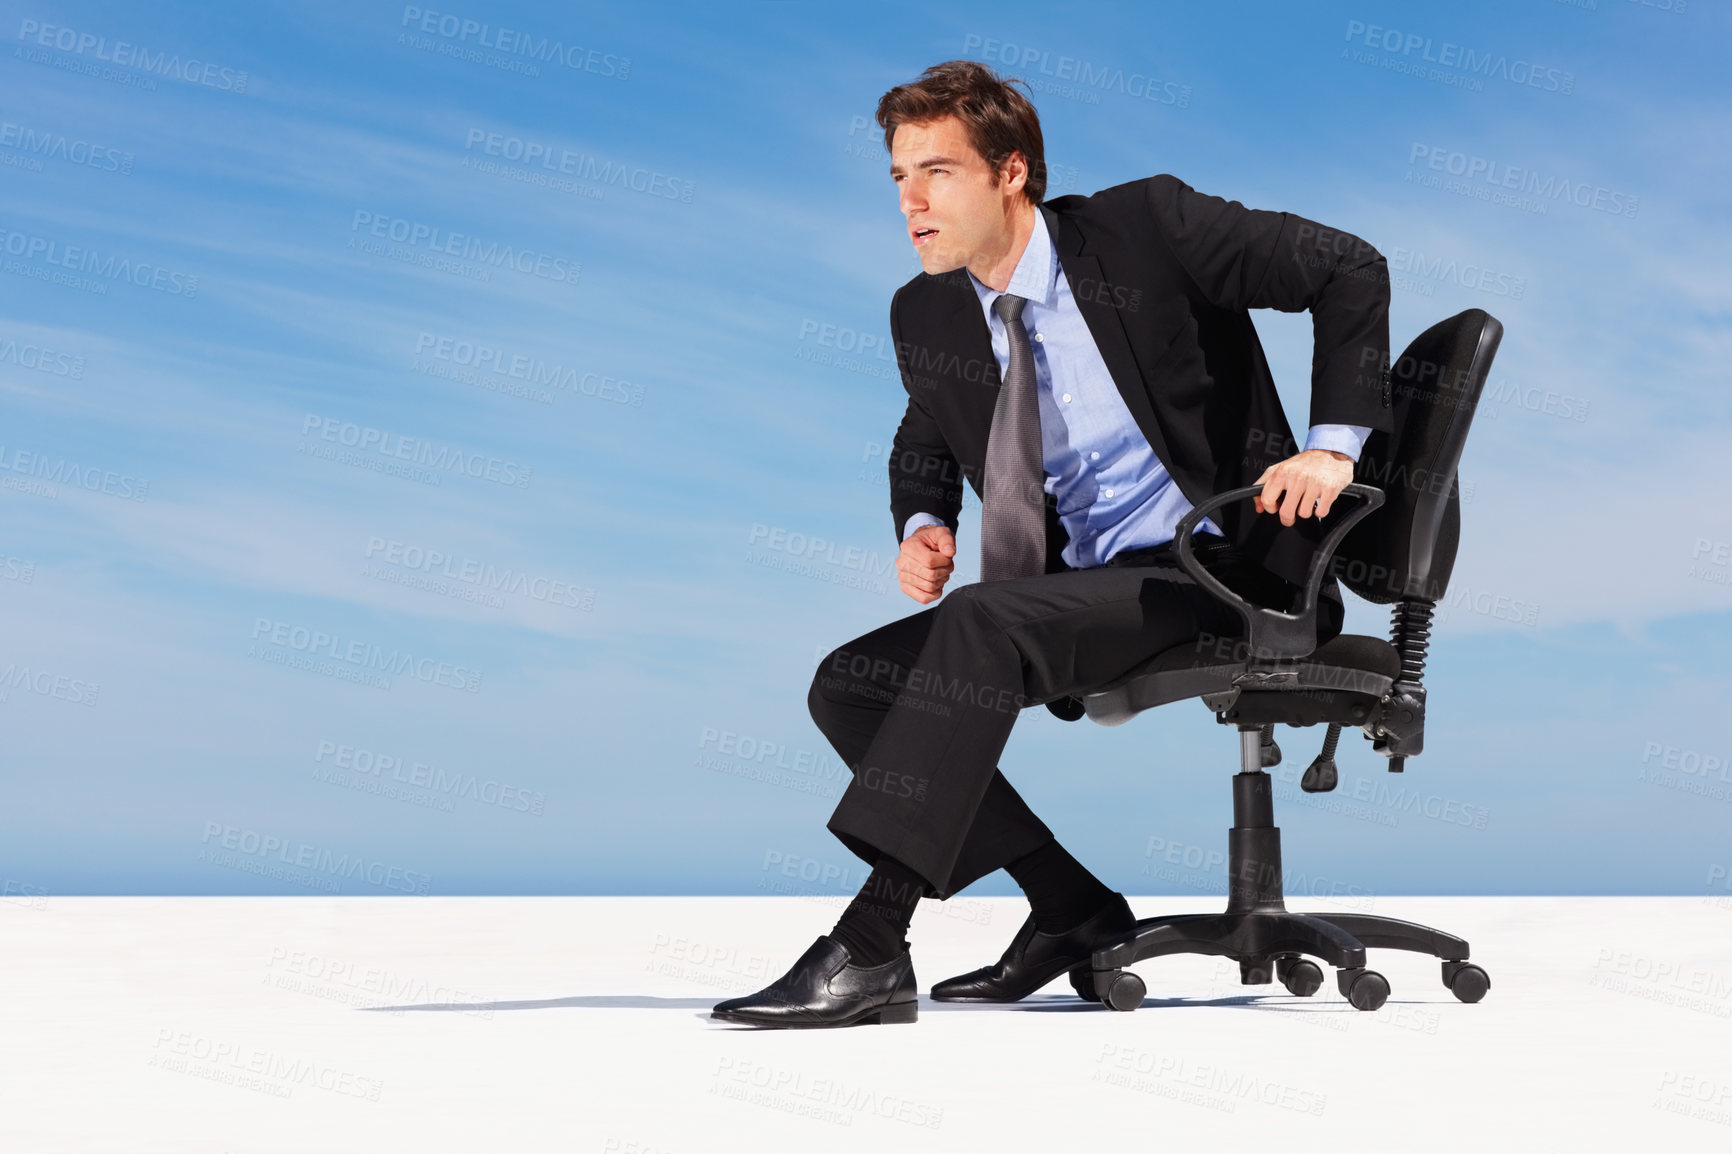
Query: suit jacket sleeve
(924, 474)
(1244, 258)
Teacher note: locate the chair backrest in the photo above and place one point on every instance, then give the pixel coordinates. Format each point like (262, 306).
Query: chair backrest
(1406, 549)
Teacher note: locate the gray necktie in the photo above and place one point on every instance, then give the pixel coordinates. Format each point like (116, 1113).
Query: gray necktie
(1013, 503)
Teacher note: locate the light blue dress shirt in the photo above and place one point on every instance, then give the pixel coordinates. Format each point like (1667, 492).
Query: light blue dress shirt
(1113, 491)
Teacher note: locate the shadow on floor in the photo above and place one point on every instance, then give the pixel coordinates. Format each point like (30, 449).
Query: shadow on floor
(1040, 1004)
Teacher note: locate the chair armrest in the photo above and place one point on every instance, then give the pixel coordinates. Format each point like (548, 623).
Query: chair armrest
(1271, 633)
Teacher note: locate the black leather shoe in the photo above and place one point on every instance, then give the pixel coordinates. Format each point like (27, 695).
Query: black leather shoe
(825, 989)
(1034, 958)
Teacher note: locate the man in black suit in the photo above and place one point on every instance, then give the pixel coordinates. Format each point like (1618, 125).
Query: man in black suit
(1089, 366)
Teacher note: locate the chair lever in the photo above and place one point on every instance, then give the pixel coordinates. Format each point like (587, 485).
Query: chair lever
(1270, 752)
(1320, 775)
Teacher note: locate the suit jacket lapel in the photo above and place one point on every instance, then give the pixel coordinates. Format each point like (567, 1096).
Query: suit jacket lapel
(1106, 324)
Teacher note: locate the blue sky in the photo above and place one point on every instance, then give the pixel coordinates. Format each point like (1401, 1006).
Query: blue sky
(442, 433)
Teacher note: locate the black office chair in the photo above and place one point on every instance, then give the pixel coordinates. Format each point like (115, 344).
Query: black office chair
(1395, 545)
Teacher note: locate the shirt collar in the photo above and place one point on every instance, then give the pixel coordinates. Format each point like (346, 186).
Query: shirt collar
(1036, 272)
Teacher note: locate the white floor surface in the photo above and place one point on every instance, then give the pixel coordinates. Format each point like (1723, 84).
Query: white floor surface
(581, 1024)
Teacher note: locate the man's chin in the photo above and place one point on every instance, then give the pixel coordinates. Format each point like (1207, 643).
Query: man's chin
(933, 264)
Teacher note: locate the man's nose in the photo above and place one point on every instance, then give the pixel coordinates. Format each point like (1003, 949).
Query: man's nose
(911, 199)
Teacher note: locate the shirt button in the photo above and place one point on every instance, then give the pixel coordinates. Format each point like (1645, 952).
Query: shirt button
(1039, 337)
(1094, 456)
(1109, 492)
(1067, 398)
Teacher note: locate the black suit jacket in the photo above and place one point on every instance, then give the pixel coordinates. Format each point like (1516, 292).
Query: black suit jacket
(1164, 276)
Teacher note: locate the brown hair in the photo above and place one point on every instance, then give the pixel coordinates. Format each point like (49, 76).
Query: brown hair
(999, 119)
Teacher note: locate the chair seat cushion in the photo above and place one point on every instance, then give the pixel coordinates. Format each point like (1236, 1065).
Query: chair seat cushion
(1357, 651)
(1351, 662)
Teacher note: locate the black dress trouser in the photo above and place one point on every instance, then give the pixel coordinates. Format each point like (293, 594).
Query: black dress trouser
(921, 708)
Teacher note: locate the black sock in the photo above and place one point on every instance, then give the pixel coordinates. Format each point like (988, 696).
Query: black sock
(874, 927)
(1062, 893)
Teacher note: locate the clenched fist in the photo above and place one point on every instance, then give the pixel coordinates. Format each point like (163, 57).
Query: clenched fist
(928, 557)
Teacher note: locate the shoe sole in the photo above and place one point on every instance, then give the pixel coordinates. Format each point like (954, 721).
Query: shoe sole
(895, 1014)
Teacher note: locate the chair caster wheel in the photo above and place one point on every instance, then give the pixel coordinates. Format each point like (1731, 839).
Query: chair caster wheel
(1363, 989)
(1466, 981)
(1082, 980)
(1302, 978)
(1124, 991)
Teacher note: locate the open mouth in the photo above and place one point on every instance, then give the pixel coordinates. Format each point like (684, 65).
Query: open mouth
(923, 236)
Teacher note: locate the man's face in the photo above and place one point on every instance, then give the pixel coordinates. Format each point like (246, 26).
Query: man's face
(956, 216)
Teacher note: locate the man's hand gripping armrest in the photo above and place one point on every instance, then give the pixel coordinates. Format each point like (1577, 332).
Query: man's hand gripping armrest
(1305, 484)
